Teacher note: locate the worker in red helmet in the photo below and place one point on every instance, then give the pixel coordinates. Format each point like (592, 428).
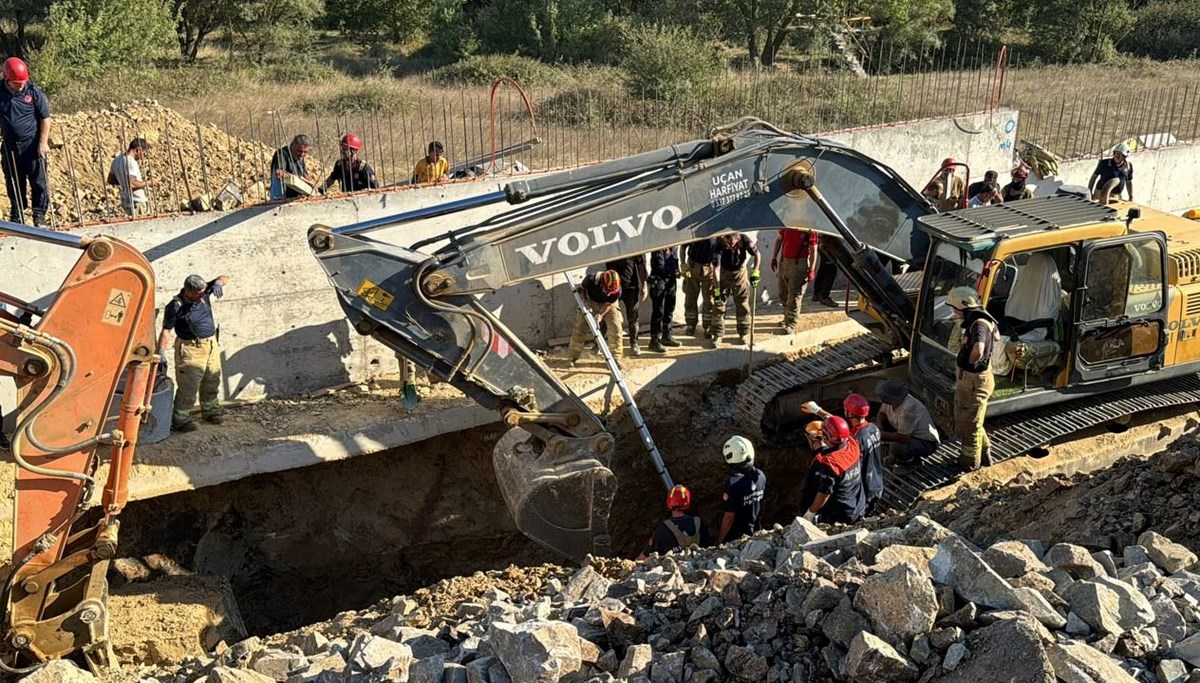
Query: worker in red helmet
(1016, 189)
(24, 143)
(833, 487)
(953, 186)
(351, 172)
(601, 292)
(857, 409)
(681, 529)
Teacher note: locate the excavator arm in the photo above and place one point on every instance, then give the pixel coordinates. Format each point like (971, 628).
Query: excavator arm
(67, 361)
(422, 301)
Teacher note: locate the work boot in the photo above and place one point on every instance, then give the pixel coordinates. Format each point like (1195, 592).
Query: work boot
(656, 346)
(742, 341)
(215, 419)
(40, 222)
(189, 426)
(634, 349)
(671, 341)
(828, 301)
(690, 330)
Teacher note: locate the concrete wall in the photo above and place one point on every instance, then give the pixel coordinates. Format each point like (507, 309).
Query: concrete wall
(282, 330)
(1167, 178)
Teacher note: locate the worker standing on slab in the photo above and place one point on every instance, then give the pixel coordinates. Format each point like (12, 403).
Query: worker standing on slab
(794, 261)
(699, 280)
(744, 491)
(974, 383)
(632, 271)
(197, 350)
(952, 185)
(126, 173)
(25, 129)
(858, 412)
(825, 275)
(905, 423)
(736, 260)
(1017, 189)
(601, 291)
(664, 273)
(433, 167)
(833, 487)
(291, 160)
(680, 530)
(1112, 176)
(350, 172)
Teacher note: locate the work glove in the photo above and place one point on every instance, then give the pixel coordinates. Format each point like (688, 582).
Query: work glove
(810, 408)
(754, 276)
(810, 516)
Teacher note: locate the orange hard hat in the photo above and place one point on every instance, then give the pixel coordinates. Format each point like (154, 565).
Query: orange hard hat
(680, 498)
(814, 429)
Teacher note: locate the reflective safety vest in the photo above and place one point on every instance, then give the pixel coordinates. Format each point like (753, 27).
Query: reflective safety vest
(684, 540)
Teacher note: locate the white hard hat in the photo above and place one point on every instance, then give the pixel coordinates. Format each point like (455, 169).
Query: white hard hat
(738, 450)
(1122, 149)
(962, 298)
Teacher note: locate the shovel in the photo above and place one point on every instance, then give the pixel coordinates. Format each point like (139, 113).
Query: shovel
(409, 397)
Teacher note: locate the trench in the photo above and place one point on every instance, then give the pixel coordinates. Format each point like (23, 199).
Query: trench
(302, 545)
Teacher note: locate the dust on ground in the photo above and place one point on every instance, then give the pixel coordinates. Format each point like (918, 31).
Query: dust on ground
(171, 618)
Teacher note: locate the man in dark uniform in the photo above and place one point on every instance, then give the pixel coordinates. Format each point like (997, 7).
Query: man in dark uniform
(733, 254)
(1112, 176)
(351, 172)
(600, 291)
(699, 280)
(974, 383)
(744, 490)
(681, 530)
(833, 487)
(664, 271)
(197, 353)
(870, 444)
(826, 274)
(632, 271)
(25, 129)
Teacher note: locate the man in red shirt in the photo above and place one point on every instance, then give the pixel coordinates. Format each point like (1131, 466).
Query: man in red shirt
(795, 269)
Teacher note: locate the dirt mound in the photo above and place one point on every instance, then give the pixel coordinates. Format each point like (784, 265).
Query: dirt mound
(172, 618)
(187, 159)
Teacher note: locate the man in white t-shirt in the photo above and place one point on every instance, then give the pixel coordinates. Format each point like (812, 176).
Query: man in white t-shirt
(126, 173)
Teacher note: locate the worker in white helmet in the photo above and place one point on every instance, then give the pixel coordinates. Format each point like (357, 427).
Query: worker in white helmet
(1112, 176)
(744, 489)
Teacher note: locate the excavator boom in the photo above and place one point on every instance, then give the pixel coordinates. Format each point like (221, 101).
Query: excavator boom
(422, 300)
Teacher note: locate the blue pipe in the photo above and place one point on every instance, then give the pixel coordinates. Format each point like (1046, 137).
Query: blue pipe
(40, 235)
(418, 214)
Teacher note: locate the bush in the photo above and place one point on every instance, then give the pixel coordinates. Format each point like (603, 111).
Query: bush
(365, 96)
(1064, 32)
(1167, 29)
(269, 27)
(302, 68)
(85, 38)
(669, 62)
(451, 37)
(569, 31)
(485, 69)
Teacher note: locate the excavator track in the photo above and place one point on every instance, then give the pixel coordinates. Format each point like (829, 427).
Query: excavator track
(756, 397)
(1017, 434)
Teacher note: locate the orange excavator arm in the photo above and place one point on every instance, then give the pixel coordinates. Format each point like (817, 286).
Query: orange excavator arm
(68, 361)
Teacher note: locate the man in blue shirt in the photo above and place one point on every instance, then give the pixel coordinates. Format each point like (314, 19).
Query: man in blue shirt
(25, 133)
(197, 353)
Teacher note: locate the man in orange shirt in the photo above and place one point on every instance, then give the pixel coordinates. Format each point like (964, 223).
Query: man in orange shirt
(795, 270)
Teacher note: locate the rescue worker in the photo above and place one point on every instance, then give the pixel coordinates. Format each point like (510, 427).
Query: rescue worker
(833, 486)
(1112, 176)
(989, 178)
(197, 350)
(24, 143)
(1016, 189)
(664, 272)
(826, 274)
(680, 530)
(797, 268)
(952, 184)
(433, 167)
(744, 490)
(699, 280)
(905, 423)
(632, 271)
(350, 172)
(858, 412)
(290, 160)
(732, 255)
(601, 292)
(975, 383)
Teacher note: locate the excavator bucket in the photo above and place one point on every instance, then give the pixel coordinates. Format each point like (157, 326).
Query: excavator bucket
(558, 489)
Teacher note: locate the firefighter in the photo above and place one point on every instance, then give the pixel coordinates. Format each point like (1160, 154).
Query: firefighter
(699, 280)
(732, 255)
(974, 383)
(350, 172)
(953, 186)
(664, 273)
(680, 530)
(744, 490)
(24, 143)
(833, 487)
(1112, 176)
(1017, 189)
(601, 291)
(870, 445)
(197, 350)
(795, 270)
(632, 272)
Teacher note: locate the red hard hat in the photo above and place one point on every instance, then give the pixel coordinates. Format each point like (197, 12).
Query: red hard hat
(835, 431)
(948, 161)
(1020, 174)
(856, 405)
(352, 141)
(610, 282)
(16, 70)
(680, 498)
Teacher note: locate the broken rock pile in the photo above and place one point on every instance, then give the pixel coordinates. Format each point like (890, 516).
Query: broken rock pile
(911, 603)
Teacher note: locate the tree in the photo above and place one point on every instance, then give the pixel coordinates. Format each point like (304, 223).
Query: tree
(450, 34)
(86, 37)
(19, 14)
(1166, 29)
(197, 19)
(910, 27)
(669, 62)
(1080, 30)
(394, 20)
(265, 27)
(550, 30)
(762, 25)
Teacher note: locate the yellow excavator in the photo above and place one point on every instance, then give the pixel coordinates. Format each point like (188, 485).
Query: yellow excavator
(1099, 304)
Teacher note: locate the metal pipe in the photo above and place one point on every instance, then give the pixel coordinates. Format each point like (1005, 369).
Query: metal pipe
(418, 214)
(40, 235)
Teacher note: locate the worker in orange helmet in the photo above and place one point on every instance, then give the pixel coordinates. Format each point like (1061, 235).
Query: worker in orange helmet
(833, 488)
(857, 410)
(680, 530)
(601, 292)
(350, 171)
(954, 187)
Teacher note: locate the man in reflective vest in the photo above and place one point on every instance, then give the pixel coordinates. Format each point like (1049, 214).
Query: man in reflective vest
(680, 530)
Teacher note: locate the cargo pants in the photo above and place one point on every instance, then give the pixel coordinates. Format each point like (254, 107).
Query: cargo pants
(793, 280)
(736, 285)
(611, 322)
(197, 370)
(698, 285)
(971, 393)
